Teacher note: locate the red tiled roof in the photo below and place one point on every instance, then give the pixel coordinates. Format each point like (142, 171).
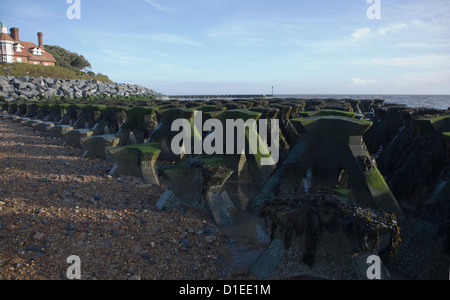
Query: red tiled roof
(6, 37)
(28, 46)
(24, 53)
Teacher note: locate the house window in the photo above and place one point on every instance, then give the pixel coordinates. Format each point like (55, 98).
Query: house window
(37, 52)
(6, 52)
(19, 59)
(46, 64)
(35, 63)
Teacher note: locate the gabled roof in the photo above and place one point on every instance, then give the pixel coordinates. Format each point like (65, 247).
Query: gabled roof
(27, 47)
(6, 37)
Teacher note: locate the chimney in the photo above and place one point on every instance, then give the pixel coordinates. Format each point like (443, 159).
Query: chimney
(40, 40)
(15, 34)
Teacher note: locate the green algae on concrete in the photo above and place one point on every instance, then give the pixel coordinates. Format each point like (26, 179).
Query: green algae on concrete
(200, 187)
(71, 115)
(21, 109)
(73, 137)
(136, 160)
(327, 146)
(44, 110)
(328, 112)
(164, 134)
(12, 108)
(32, 110)
(88, 117)
(58, 130)
(439, 124)
(110, 121)
(446, 136)
(140, 123)
(319, 236)
(96, 145)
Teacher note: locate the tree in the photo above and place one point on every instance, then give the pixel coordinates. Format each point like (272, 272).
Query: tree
(67, 59)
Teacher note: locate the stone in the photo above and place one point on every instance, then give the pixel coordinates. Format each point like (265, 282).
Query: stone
(163, 199)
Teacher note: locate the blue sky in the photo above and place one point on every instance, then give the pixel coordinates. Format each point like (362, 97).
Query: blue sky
(246, 46)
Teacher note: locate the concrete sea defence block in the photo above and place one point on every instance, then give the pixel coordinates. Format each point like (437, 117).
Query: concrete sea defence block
(96, 145)
(43, 126)
(200, 186)
(327, 147)
(58, 130)
(31, 122)
(320, 236)
(136, 160)
(73, 137)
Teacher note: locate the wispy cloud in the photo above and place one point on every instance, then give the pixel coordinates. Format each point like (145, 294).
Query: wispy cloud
(163, 55)
(360, 33)
(426, 61)
(160, 7)
(429, 45)
(392, 28)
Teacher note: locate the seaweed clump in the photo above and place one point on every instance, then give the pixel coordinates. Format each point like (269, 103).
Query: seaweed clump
(325, 209)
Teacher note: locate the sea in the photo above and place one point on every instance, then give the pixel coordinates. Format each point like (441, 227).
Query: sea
(429, 101)
(416, 101)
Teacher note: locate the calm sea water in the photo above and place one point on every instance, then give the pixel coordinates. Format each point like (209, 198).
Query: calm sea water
(430, 101)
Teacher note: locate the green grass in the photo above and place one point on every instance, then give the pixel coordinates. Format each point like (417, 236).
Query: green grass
(19, 69)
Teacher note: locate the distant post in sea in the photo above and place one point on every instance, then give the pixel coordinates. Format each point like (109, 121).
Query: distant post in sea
(272, 90)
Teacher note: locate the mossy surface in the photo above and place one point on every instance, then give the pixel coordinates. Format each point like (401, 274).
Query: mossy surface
(446, 136)
(441, 123)
(332, 126)
(145, 148)
(376, 180)
(346, 193)
(235, 114)
(136, 117)
(330, 112)
(312, 214)
(173, 167)
(208, 108)
(214, 161)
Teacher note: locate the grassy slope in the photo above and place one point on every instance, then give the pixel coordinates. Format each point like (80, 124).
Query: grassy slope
(18, 69)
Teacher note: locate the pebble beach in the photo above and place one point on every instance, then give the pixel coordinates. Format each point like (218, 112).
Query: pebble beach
(55, 204)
